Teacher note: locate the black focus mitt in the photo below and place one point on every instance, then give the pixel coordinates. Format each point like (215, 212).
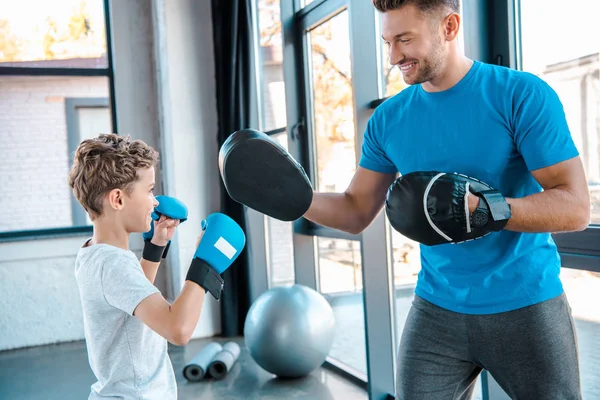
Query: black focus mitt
(259, 173)
(431, 208)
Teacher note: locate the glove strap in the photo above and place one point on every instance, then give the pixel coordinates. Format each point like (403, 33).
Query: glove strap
(499, 209)
(202, 274)
(153, 252)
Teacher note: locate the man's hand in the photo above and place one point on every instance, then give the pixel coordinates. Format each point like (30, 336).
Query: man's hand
(473, 202)
(432, 207)
(164, 229)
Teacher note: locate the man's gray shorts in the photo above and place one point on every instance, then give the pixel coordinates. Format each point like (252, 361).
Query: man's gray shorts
(531, 352)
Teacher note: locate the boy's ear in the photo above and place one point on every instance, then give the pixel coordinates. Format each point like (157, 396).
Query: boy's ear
(115, 199)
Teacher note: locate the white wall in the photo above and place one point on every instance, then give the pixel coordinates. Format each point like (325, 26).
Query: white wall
(39, 300)
(192, 110)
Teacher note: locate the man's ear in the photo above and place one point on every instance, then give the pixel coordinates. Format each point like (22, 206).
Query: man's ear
(116, 199)
(451, 26)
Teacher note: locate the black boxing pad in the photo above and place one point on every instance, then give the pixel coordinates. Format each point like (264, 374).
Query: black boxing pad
(259, 173)
(431, 207)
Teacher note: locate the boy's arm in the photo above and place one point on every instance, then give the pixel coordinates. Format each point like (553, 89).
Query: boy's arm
(175, 322)
(150, 269)
(224, 241)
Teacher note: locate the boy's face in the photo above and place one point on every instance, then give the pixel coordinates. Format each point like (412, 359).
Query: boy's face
(140, 204)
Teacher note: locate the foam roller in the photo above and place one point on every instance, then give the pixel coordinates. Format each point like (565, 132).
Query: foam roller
(224, 360)
(196, 369)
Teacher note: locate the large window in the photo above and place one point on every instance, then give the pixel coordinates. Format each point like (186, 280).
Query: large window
(570, 63)
(333, 126)
(55, 90)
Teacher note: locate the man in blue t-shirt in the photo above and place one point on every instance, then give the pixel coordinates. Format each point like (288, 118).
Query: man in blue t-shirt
(495, 303)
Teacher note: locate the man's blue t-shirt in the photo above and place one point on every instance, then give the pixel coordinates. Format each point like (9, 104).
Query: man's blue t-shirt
(496, 125)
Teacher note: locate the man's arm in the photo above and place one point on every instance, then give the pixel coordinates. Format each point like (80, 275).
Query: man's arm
(354, 210)
(542, 136)
(563, 206)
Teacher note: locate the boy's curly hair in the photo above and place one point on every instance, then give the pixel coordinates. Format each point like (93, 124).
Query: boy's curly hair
(104, 163)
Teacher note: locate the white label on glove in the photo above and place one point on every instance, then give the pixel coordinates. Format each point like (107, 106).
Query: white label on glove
(225, 247)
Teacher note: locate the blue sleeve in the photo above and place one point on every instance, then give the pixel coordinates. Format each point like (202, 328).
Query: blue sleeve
(373, 155)
(541, 132)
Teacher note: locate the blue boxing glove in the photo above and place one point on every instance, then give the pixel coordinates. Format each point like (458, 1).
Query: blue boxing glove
(169, 207)
(222, 243)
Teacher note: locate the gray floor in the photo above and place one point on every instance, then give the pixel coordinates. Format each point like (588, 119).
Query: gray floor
(62, 372)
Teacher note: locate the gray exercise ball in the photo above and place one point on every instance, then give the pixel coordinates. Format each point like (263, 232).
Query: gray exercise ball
(289, 330)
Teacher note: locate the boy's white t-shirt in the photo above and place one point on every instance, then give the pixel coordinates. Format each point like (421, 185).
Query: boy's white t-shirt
(128, 358)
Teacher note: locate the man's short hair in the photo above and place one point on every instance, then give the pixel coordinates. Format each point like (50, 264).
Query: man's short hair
(425, 6)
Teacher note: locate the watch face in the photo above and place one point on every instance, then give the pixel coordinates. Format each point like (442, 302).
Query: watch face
(479, 219)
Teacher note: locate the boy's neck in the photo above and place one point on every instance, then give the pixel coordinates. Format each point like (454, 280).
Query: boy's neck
(110, 232)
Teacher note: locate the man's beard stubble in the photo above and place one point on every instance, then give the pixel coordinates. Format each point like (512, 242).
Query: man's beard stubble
(429, 67)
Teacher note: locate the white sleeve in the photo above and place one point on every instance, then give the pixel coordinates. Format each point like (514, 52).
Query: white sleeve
(124, 284)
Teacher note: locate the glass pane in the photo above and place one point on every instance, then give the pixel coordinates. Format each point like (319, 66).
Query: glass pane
(280, 244)
(340, 281)
(271, 68)
(341, 267)
(333, 106)
(43, 116)
(406, 258)
(583, 291)
(63, 34)
(572, 72)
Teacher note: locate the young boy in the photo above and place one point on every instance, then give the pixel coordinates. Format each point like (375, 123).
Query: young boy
(127, 321)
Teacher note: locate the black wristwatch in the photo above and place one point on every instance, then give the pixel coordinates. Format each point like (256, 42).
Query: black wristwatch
(493, 219)
(481, 216)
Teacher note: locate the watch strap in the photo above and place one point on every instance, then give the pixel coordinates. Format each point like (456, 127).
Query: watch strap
(498, 208)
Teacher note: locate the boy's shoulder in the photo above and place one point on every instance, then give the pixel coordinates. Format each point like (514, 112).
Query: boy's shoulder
(103, 254)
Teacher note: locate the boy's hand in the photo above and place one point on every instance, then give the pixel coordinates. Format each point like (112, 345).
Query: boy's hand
(164, 229)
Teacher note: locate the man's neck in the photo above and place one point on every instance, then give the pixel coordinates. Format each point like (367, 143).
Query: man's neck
(109, 232)
(455, 70)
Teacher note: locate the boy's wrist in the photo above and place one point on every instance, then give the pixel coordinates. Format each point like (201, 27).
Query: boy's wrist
(153, 252)
(157, 242)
